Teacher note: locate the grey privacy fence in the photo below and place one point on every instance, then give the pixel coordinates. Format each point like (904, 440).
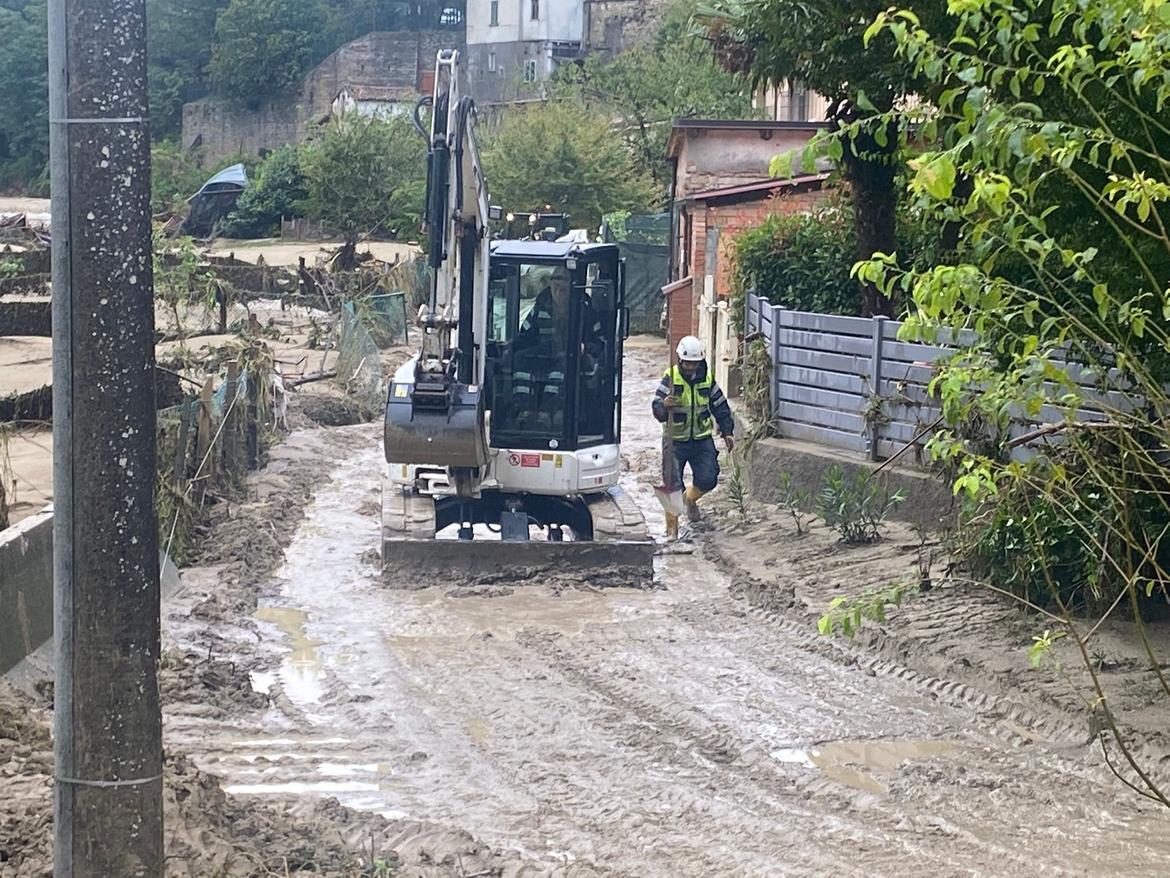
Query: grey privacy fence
(848, 383)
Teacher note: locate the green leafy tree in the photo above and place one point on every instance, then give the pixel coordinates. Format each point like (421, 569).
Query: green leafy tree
(1054, 111)
(365, 176)
(24, 96)
(264, 47)
(179, 39)
(566, 156)
(646, 88)
(277, 190)
(820, 44)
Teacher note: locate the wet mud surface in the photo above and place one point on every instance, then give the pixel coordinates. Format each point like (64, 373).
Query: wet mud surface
(690, 729)
(318, 721)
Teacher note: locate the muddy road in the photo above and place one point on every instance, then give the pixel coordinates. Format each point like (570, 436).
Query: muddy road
(666, 732)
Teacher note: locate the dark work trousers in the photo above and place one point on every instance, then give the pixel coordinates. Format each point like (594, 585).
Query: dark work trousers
(703, 459)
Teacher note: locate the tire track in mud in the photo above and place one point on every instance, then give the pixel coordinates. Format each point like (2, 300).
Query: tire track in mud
(740, 763)
(718, 763)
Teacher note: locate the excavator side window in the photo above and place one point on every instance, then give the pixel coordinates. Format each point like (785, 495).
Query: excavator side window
(597, 375)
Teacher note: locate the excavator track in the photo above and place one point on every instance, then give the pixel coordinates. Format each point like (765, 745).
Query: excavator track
(621, 554)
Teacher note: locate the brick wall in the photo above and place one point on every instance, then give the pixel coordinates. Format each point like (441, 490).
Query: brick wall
(731, 219)
(680, 313)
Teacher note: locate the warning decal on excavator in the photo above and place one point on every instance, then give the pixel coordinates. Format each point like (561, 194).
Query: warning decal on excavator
(529, 460)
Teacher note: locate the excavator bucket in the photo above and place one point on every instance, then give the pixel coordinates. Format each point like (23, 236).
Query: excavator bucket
(621, 554)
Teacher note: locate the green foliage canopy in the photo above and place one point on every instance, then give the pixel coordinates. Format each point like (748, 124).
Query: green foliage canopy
(24, 96)
(567, 156)
(178, 49)
(263, 47)
(365, 175)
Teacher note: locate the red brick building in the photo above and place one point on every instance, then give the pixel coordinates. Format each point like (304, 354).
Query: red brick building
(721, 186)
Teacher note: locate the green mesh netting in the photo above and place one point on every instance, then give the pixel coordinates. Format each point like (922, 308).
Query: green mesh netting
(387, 319)
(359, 365)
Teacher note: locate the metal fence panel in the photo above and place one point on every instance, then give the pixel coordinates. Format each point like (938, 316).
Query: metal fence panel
(849, 383)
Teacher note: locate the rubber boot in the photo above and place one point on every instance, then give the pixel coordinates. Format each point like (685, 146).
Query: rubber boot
(671, 526)
(692, 500)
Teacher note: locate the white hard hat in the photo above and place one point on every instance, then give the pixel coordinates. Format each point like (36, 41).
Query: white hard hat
(690, 350)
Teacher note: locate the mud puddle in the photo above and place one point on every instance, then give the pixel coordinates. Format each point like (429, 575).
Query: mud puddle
(861, 764)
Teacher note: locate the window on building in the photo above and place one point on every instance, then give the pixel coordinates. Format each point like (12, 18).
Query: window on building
(495, 19)
(492, 61)
(530, 70)
(535, 10)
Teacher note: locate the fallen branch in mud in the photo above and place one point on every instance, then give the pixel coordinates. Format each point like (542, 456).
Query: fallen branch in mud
(312, 376)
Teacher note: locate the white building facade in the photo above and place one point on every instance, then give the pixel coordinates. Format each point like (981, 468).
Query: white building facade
(514, 46)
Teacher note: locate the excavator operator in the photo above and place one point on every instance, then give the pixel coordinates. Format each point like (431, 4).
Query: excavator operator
(547, 324)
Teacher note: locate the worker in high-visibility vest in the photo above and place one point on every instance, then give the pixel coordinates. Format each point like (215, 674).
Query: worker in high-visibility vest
(689, 403)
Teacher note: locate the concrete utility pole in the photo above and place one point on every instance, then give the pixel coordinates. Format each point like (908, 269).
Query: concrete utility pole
(108, 816)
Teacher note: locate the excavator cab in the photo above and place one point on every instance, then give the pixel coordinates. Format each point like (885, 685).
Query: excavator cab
(556, 324)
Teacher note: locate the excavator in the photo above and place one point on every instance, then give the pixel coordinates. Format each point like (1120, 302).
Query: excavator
(502, 433)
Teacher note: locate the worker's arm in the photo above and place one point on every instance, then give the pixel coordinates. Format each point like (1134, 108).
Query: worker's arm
(663, 401)
(721, 410)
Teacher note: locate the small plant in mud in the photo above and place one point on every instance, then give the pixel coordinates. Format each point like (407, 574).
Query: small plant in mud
(794, 501)
(737, 489)
(855, 507)
(1041, 648)
(9, 268)
(924, 556)
(847, 613)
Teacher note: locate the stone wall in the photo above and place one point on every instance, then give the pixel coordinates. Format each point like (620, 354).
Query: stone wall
(614, 26)
(382, 58)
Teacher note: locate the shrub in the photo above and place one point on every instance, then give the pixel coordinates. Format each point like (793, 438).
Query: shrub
(855, 507)
(175, 175)
(277, 191)
(800, 261)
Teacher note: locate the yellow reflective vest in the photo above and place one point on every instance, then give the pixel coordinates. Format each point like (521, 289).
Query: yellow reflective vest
(691, 416)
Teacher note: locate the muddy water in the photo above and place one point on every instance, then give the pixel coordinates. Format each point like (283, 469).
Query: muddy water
(653, 733)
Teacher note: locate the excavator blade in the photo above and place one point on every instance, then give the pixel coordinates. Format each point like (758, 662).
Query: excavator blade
(620, 555)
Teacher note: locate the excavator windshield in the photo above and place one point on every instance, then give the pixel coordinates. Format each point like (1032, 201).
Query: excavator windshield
(553, 353)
